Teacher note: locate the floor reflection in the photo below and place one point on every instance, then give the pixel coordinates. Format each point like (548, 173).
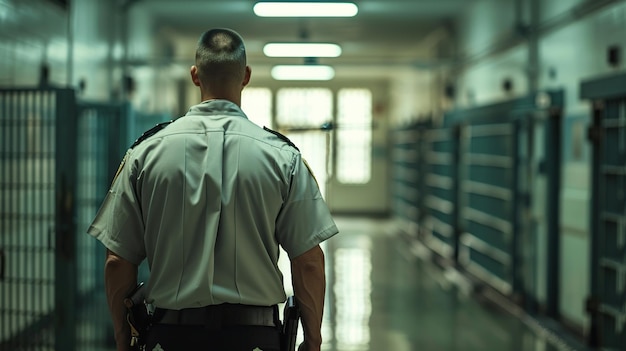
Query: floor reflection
(380, 297)
(351, 291)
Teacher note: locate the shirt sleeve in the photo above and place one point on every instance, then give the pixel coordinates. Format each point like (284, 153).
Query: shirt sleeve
(305, 220)
(119, 224)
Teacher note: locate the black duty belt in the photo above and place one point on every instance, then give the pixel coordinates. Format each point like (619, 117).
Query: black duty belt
(216, 316)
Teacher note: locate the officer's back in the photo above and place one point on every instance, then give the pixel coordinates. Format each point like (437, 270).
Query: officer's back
(207, 200)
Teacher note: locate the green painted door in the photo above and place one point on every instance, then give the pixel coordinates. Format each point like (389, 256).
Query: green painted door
(608, 211)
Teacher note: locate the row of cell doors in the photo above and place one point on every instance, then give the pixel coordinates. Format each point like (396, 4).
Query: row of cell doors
(484, 189)
(58, 156)
(477, 183)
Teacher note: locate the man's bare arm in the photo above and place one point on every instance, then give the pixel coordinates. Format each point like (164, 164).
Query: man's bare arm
(120, 278)
(309, 284)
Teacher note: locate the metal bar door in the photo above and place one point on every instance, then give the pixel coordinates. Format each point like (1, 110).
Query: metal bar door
(486, 244)
(405, 155)
(537, 210)
(440, 186)
(57, 159)
(101, 141)
(36, 219)
(491, 190)
(607, 304)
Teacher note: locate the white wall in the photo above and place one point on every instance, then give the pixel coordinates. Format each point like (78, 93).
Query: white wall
(81, 42)
(150, 93)
(90, 42)
(97, 47)
(32, 33)
(484, 25)
(413, 94)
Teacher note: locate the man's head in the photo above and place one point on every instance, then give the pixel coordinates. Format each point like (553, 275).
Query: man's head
(220, 68)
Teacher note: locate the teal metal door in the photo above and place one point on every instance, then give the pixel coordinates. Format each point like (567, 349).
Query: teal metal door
(57, 160)
(408, 167)
(505, 152)
(488, 189)
(439, 224)
(101, 140)
(37, 184)
(608, 218)
(537, 192)
(404, 157)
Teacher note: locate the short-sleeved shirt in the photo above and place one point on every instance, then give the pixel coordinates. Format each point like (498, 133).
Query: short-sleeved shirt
(208, 200)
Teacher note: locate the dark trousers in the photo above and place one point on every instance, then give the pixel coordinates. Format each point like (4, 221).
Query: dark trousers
(168, 337)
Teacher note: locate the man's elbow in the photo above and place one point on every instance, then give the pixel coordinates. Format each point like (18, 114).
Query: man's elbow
(309, 262)
(313, 255)
(116, 262)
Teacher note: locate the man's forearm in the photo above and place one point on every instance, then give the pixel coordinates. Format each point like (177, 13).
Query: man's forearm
(120, 277)
(309, 284)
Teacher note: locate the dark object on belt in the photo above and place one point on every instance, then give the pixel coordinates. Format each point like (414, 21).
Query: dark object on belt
(216, 316)
(289, 329)
(137, 316)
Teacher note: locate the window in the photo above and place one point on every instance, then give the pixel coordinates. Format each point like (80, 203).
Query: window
(300, 115)
(256, 103)
(354, 136)
(304, 108)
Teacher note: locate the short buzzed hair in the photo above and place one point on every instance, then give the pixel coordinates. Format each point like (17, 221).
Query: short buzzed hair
(220, 56)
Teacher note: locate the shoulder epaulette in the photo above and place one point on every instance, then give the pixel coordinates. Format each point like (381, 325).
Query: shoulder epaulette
(150, 132)
(282, 137)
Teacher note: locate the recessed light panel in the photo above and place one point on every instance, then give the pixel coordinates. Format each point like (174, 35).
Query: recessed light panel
(305, 9)
(302, 50)
(303, 72)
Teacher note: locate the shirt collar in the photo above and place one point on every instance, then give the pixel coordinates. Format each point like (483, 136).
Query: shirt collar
(216, 107)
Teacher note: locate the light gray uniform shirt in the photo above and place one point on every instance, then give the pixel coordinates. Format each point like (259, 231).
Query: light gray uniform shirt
(208, 200)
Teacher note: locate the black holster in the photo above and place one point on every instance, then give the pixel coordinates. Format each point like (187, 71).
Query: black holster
(137, 317)
(289, 329)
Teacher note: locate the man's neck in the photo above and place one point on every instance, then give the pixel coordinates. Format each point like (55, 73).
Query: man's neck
(236, 99)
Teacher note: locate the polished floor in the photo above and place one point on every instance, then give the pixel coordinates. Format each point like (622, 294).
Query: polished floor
(380, 297)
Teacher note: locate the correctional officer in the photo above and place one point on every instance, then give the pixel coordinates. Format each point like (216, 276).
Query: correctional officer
(207, 200)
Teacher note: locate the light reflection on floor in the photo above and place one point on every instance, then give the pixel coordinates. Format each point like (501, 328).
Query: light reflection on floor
(380, 297)
(353, 307)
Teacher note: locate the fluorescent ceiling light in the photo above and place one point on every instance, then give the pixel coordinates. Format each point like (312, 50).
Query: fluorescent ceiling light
(302, 50)
(305, 9)
(303, 72)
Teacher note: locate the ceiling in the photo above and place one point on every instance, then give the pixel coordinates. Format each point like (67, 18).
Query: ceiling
(385, 33)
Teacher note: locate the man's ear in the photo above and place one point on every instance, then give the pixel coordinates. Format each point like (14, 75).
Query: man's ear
(194, 75)
(246, 77)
